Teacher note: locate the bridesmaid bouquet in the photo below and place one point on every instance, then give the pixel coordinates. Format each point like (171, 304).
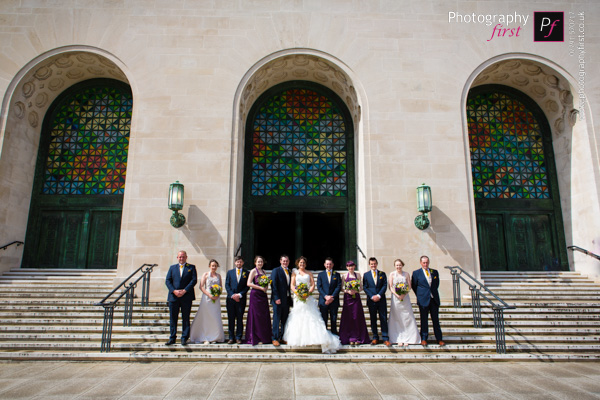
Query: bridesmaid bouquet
(264, 281)
(302, 292)
(215, 290)
(402, 288)
(354, 284)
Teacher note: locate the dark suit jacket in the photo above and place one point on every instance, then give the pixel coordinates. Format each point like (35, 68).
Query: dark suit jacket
(186, 281)
(280, 289)
(331, 289)
(422, 289)
(372, 288)
(232, 286)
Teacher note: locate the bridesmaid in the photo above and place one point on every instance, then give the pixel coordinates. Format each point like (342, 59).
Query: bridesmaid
(353, 327)
(258, 322)
(401, 323)
(208, 325)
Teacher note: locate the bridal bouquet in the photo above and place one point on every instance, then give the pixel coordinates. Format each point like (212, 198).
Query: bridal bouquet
(302, 292)
(402, 288)
(215, 290)
(264, 281)
(354, 284)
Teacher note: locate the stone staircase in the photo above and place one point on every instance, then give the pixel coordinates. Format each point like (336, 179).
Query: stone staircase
(49, 315)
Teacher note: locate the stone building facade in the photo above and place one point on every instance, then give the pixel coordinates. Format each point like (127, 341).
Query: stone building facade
(403, 74)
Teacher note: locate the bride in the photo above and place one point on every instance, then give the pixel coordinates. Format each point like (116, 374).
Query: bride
(402, 324)
(305, 325)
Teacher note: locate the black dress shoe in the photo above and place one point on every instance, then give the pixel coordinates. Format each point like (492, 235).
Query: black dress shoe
(238, 341)
(230, 341)
(170, 342)
(183, 342)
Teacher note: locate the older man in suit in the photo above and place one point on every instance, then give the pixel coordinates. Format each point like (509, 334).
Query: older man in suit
(375, 286)
(236, 284)
(329, 284)
(181, 279)
(425, 282)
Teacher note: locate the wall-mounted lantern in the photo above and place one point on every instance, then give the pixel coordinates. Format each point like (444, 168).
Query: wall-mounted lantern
(176, 204)
(423, 206)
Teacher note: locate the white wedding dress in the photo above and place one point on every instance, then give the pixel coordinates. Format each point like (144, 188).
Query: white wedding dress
(402, 326)
(305, 325)
(208, 325)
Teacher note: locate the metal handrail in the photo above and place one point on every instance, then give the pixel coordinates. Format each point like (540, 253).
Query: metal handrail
(586, 252)
(476, 295)
(361, 252)
(128, 288)
(17, 242)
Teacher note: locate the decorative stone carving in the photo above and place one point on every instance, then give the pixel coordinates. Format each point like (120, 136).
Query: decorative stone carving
(28, 89)
(19, 109)
(56, 73)
(33, 119)
(539, 83)
(305, 67)
(573, 116)
(41, 100)
(43, 73)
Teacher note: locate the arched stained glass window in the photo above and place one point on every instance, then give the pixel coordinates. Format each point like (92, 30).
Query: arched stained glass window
(507, 150)
(299, 146)
(517, 201)
(89, 139)
(299, 190)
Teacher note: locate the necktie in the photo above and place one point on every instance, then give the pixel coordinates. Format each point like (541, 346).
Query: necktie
(375, 277)
(237, 273)
(180, 270)
(427, 272)
(329, 276)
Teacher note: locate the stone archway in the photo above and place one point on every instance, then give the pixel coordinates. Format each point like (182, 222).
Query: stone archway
(552, 90)
(303, 65)
(25, 104)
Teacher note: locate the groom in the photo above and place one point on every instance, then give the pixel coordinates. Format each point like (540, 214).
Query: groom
(375, 286)
(236, 285)
(329, 284)
(280, 299)
(425, 283)
(180, 281)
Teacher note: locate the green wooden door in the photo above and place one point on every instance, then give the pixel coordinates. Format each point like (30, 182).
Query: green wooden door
(77, 198)
(516, 242)
(517, 202)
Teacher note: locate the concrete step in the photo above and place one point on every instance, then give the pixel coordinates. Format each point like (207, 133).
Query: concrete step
(401, 355)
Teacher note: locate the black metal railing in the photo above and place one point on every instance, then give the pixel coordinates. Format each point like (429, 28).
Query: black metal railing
(477, 292)
(128, 291)
(584, 251)
(6, 246)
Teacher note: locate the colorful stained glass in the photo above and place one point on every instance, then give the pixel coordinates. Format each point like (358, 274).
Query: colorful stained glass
(89, 143)
(299, 146)
(507, 151)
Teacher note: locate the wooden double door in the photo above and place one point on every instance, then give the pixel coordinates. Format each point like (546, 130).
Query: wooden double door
(520, 241)
(74, 237)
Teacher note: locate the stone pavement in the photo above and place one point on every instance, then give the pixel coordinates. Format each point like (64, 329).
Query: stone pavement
(365, 381)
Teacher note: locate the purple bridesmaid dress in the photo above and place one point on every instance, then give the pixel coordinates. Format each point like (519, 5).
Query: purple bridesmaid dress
(258, 323)
(353, 327)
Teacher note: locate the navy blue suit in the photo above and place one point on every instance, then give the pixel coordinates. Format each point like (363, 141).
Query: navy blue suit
(428, 300)
(280, 290)
(235, 309)
(187, 281)
(329, 289)
(378, 308)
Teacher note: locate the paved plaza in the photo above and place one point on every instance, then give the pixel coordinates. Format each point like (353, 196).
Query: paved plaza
(204, 380)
